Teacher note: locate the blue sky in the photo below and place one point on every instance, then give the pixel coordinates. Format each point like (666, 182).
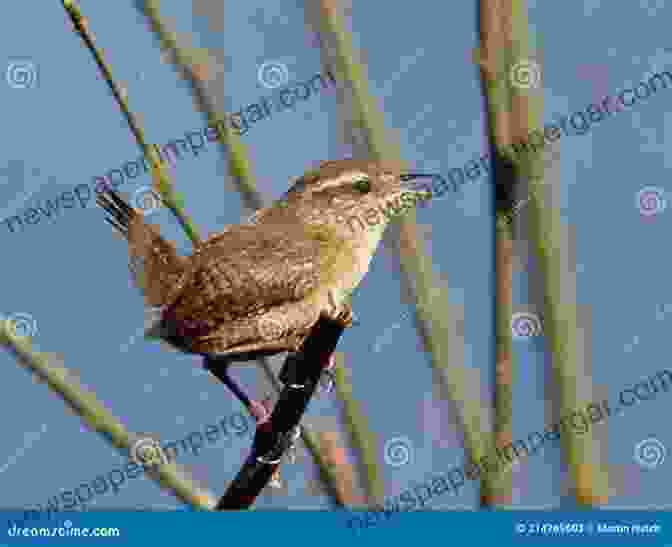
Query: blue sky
(69, 274)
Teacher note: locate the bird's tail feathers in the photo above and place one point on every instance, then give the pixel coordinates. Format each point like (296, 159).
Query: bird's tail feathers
(154, 264)
(120, 213)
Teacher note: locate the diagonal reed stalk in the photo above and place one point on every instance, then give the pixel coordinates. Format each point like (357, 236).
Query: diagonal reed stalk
(431, 309)
(555, 264)
(169, 195)
(232, 148)
(493, 62)
(85, 404)
(240, 168)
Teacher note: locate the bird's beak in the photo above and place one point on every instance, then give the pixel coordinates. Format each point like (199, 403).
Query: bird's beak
(424, 185)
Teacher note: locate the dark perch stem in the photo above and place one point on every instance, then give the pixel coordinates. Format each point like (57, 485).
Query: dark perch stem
(273, 438)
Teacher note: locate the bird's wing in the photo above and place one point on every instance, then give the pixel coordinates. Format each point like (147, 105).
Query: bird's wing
(250, 268)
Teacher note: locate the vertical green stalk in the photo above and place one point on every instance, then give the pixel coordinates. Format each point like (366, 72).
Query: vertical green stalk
(493, 62)
(554, 259)
(169, 196)
(233, 149)
(85, 404)
(431, 309)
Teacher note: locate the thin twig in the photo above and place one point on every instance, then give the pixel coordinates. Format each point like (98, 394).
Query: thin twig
(170, 197)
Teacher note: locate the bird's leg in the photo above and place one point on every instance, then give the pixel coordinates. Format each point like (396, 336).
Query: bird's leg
(328, 378)
(343, 315)
(220, 369)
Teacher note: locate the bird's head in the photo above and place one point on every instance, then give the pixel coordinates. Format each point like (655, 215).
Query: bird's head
(352, 195)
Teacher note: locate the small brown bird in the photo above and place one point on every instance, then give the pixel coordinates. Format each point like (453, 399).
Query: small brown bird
(258, 288)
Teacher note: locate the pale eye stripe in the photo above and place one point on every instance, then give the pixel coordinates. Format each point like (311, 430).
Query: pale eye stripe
(346, 177)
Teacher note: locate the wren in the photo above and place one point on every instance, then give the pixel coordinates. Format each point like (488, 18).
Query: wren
(257, 289)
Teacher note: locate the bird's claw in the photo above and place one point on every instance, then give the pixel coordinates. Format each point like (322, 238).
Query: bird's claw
(347, 318)
(341, 314)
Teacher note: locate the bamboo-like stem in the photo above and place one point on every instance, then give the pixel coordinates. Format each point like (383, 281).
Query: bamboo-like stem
(85, 404)
(169, 195)
(241, 171)
(431, 309)
(554, 259)
(493, 63)
(361, 438)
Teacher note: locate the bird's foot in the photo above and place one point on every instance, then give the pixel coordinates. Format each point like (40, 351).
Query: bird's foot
(347, 318)
(341, 314)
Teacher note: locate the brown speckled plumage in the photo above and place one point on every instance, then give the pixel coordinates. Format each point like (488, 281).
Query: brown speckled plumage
(261, 286)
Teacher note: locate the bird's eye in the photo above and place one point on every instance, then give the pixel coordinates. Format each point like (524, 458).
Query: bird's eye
(362, 185)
